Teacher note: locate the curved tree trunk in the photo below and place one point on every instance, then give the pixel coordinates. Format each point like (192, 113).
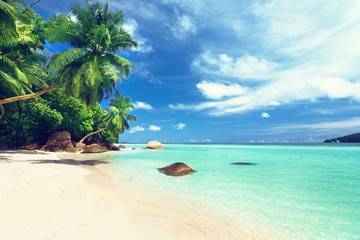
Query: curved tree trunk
(31, 95)
(82, 140)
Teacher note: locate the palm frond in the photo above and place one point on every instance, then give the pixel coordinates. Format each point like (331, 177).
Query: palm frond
(9, 86)
(59, 61)
(37, 82)
(11, 68)
(121, 64)
(9, 14)
(84, 15)
(2, 111)
(8, 38)
(101, 36)
(121, 40)
(64, 34)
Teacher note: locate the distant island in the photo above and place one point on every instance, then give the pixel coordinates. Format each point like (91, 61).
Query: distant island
(352, 138)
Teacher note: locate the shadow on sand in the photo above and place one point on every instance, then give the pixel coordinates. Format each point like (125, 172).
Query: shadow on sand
(71, 162)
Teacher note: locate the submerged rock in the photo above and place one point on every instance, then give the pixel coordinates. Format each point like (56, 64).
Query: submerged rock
(242, 163)
(176, 169)
(94, 148)
(154, 145)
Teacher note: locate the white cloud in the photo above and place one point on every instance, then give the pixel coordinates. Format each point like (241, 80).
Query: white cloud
(178, 106)
(295, 52)
(343, 125)
(206, 140)
(313, 140)
(180, 126)
(215, 90)
(136, 129)
(154, 128)
(183, 27)
(143, 105)
(131, 26)
(244, 67)
(265, 115)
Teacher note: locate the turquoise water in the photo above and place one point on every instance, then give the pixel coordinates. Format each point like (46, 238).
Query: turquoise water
(302, 191)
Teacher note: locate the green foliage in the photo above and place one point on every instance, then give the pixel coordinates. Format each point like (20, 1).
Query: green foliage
(107, 136)
(118, 114)
(90, 70)
(20, 66)
(36, 123)
(54, 112)
(77, 118)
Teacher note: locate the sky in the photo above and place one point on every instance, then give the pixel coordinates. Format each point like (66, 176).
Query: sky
(239, 71)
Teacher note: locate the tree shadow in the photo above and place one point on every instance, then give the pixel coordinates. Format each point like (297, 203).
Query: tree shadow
(7, 159)
(71, 162)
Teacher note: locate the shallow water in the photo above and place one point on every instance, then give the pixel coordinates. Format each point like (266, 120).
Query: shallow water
(299, 191)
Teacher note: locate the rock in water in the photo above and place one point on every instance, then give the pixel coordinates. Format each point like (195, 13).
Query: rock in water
(176, 169)
(94, 148)
(59, 142)
(112, 147)
(243, 163)
(154, 145)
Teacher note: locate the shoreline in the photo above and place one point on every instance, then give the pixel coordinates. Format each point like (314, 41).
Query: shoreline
(156, 203)
(70, 196)
(43, 196)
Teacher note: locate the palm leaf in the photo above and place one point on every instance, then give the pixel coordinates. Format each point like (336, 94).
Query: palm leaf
(8, 38)
(64, 34)
(11, 68)
(123, 65)
(59, 61)
(84, 15)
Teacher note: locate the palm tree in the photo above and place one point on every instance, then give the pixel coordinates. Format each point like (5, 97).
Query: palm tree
(91, 69)
(9, 14)
(19, 64)
(117, 116)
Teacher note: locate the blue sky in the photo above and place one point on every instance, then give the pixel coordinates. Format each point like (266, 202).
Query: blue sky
(240, 71)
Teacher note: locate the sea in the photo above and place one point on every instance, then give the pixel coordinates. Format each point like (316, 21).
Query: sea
(302, 191)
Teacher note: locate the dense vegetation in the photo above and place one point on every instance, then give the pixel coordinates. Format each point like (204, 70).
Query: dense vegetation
(42, 92)
(352, 138)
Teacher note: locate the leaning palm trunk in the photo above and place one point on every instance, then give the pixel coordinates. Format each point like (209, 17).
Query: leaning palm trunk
(29, 96)
(82, 140)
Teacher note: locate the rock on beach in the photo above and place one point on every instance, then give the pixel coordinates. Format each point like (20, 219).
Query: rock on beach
(154, 145)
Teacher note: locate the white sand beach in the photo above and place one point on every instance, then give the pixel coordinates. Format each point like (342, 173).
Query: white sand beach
(43, 197)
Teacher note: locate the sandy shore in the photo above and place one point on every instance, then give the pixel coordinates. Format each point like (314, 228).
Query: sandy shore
(44, 197)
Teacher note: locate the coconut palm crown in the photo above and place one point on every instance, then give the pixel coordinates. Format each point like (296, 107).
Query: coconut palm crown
(117, 116)
(92, 68)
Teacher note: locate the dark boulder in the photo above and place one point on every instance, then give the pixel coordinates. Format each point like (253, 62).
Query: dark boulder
(59, 142)
(95, 148)
(176, 169)
(112, 147)
(122, 147)
(32, 146)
